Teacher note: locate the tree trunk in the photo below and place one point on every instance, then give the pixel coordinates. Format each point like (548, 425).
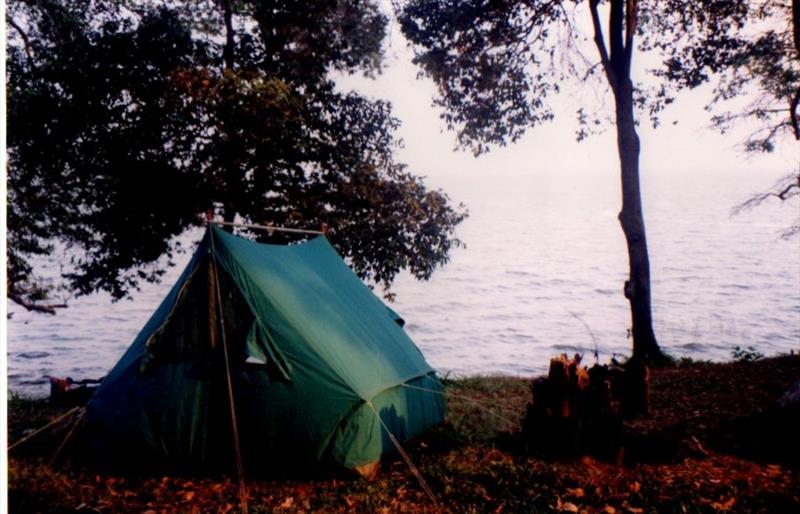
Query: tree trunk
(616, 60)
(230, 172)
(637, 287)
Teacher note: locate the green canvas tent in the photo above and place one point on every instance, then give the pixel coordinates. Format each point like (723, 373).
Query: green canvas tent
(314, 357)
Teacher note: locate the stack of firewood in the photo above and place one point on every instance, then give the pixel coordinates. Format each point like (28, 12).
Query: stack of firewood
(579, 411)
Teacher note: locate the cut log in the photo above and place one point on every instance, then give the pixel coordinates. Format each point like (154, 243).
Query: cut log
(575, 411)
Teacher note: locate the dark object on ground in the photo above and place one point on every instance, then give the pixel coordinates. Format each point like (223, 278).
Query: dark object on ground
(767, 436)
(576, 411)
(790, 400)
(65, 392)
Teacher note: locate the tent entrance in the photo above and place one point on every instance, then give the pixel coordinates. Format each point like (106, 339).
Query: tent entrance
(192, 330)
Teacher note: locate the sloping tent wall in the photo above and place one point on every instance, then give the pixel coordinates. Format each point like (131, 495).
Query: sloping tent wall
(310, 347)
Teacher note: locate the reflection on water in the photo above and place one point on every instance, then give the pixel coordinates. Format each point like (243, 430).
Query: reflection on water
(541, 250)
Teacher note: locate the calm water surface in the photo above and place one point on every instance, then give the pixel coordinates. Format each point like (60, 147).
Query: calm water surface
(542, 250)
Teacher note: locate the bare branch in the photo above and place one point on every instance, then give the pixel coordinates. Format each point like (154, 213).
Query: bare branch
(35, 307)
(26, 41)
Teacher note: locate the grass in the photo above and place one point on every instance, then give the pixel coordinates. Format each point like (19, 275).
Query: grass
(475, 463)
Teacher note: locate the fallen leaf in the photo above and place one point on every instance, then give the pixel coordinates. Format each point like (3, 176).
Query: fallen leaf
(578, 492)
(724, 506)
(568, 507)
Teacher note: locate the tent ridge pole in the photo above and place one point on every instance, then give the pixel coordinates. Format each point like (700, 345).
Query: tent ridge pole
(266, 227)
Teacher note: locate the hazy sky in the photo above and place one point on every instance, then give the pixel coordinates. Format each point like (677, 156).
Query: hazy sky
(690, 146)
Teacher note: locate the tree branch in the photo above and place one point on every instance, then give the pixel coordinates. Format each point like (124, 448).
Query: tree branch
(228, 50)
(796, 26)
(601, 45)
(615, 36)
(26, 41)
(35, 307)
(631, 21)
(784, 193)
(796, 100)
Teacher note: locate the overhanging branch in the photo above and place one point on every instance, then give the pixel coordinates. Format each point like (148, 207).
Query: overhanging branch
(25, 40)
(35, 307)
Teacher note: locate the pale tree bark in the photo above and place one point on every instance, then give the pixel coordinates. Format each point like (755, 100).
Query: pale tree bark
(616, 66)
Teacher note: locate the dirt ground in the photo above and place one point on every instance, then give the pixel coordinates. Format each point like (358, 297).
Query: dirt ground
(713, 443)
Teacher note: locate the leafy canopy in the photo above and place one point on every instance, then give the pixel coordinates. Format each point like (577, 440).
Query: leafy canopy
(497, 62)
(126, 120)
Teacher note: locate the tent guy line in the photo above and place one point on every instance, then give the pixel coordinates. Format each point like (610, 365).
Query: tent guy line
(405, 456)
(474, 401)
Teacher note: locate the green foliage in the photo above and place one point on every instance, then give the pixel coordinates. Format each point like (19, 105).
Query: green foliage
(748, 354)
(125, 124)
(496, 63)
(743, 48)
(490, 62)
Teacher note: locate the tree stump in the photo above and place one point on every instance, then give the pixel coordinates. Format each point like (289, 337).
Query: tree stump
(575, 411)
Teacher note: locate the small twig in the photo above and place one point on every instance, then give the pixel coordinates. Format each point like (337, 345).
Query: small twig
(596, 348)
(699, 447)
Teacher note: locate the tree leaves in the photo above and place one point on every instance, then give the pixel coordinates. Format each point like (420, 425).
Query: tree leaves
(124, 125)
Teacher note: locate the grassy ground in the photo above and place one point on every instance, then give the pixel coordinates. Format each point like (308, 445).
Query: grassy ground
(708, 415)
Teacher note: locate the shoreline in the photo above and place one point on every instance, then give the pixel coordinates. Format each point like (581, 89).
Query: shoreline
(709, 413)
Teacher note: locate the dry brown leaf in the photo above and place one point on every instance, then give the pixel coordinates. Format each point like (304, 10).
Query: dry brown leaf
(578, 492)
(568, 507)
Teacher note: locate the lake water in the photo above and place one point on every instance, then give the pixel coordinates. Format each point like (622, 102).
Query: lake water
(543, 252)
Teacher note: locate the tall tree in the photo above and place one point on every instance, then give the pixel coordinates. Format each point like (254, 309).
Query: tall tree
(745, 49)
(127, 119)
(495, 63)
